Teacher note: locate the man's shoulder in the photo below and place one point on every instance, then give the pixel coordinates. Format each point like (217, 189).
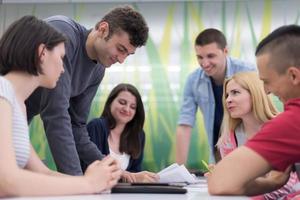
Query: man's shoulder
(284, 122)
(197, 73)
(59, 18)
(64, 23)
(236, 63)
(291, 112)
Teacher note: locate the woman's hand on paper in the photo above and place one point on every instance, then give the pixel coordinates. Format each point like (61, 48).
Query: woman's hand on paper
(128, 177)
(142, 177)
(147, 177)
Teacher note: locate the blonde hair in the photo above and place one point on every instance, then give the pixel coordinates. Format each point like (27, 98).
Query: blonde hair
(262, 106)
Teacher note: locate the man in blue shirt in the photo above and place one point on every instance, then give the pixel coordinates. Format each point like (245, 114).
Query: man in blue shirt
(204, 89)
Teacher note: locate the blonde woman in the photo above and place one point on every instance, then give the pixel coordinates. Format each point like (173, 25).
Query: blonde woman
(246, 108)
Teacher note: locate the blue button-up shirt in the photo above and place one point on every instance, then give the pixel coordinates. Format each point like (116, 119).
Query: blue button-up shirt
(198, 92)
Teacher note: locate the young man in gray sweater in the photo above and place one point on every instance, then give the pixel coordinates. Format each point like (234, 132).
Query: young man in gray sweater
(64, 110)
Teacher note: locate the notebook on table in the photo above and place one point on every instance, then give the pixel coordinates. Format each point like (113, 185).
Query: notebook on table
(161, 188)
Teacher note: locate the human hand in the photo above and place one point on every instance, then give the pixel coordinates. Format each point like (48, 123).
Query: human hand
(142, 177)
(146, 177)
(104, 174)
(128, 177)
(279, 178)
(211, 168)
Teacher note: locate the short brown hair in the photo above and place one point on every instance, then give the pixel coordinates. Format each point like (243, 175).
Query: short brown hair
(128, 20)
(209, 36)
(283, 45)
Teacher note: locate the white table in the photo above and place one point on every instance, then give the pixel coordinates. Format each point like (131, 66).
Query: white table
(188, 196)
(192, 194)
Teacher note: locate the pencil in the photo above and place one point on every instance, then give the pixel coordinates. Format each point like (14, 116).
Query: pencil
(206, 165)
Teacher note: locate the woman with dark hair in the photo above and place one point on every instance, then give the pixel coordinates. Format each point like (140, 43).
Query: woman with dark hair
(31, 56)
(119, 132)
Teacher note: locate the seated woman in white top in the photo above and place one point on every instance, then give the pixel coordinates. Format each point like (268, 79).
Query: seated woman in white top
(31, 56)
(119, 132)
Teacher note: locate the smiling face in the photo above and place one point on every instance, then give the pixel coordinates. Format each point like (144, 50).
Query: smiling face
(52, 65)
(212, 59)
(111, 50)
(123, 107)
(238, 100)
(115, 49)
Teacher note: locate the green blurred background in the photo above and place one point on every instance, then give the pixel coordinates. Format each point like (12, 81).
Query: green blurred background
(160, 69)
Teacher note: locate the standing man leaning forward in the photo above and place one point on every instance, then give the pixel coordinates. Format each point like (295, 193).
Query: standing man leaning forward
(64, 110)
(204, 89)
(276, 145)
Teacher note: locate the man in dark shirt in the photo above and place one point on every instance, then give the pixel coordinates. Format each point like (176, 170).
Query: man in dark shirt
(64, 110)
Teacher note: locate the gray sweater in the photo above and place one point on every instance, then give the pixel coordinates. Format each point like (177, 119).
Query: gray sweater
(64, 110)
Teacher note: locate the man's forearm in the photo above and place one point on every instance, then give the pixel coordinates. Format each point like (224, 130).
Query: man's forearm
(181, 152)
(183, 135)
(62, 144)
(237, 173)
(65, 155)
(252, 188)
(87, 150)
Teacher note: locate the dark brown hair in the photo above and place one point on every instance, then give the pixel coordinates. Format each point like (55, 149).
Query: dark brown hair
(283, 46)
(20, 42)
(130, 137)
(209, 36)
(128, 20)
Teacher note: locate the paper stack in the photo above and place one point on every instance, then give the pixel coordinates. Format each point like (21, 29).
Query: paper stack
(176, 173)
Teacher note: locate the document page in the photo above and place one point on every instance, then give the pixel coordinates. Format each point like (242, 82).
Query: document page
(176, 173)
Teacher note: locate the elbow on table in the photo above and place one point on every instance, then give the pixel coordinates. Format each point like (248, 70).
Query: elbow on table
(6, 188)
(5, 193)
(219, 187)
(8, 185)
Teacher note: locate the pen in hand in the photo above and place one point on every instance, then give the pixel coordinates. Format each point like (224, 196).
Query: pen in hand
(206, 166)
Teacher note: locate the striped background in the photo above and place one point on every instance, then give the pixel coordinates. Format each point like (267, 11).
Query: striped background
(160, 69)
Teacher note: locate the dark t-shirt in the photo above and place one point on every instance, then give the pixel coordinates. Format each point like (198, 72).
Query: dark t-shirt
(218, 93)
